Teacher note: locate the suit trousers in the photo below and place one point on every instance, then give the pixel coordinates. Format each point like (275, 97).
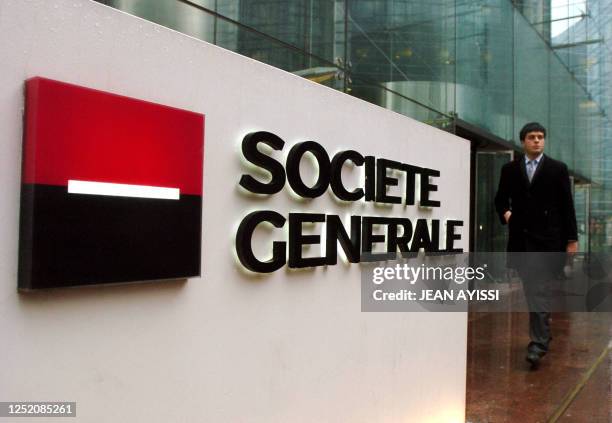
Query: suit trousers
(538, 274)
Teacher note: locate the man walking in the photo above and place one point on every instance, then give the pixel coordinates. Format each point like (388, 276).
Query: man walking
(534, 198)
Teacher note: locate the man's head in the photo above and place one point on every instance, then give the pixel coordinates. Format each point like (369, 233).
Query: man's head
(533, 137)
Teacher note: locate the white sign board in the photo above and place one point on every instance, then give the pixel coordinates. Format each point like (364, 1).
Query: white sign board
(291, 345)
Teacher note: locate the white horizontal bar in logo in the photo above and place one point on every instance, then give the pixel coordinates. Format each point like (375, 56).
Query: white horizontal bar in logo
(122, 190)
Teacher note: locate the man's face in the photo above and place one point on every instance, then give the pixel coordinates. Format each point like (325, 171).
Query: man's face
(533, 144)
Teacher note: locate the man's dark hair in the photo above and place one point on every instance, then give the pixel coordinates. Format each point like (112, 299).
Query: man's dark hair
(532, 127)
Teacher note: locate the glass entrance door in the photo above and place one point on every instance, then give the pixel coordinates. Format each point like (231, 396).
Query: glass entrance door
(489, 235)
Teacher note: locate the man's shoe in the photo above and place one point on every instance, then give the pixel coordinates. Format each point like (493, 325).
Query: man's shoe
(533, 357)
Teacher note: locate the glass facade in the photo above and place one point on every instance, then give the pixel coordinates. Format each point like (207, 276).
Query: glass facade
(495, 64)
(484, 65)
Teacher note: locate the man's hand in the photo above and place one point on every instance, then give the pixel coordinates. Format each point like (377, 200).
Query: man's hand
(571, 249)
(507, 215)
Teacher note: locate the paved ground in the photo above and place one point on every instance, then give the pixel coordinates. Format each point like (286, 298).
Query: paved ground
(572, 384)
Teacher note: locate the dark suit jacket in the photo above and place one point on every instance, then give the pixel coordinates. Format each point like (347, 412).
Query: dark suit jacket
(543, 216)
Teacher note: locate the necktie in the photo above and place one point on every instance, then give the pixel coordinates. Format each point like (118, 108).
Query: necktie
(531, 165)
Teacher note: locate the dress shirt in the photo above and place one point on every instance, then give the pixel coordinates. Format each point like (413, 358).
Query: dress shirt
(532, 165)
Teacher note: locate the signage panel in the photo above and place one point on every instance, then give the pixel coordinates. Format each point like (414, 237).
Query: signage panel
(111, 188)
